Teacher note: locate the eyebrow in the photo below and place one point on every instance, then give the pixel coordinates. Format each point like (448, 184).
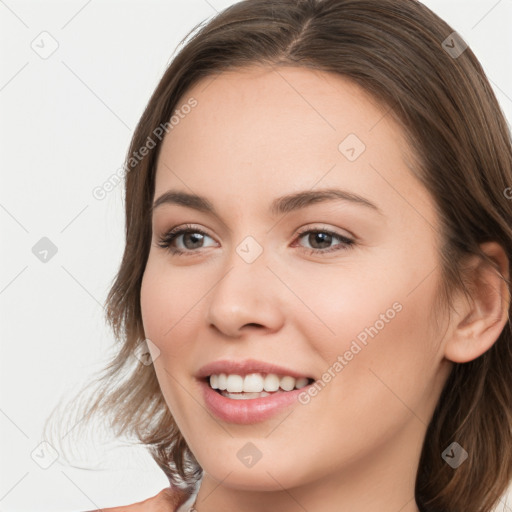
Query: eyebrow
(281, 205)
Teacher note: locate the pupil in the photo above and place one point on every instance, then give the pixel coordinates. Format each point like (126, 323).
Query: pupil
(198, 237)
(325, 236)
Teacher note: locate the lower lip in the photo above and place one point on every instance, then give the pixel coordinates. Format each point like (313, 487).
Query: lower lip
(251, 410)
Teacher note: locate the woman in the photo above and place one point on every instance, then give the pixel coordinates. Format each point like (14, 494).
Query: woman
(318, 245)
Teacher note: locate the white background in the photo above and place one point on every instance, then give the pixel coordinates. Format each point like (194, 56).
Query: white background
(66, 122)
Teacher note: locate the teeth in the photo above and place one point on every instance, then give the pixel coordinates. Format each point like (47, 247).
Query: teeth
(235, 384)
(244, 396)
(271, 382)
(256, 383)
(287, 383)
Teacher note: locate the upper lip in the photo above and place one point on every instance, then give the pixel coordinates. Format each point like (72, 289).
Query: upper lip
(245, 367)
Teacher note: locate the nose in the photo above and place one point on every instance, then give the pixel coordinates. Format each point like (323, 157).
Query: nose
(246, 296)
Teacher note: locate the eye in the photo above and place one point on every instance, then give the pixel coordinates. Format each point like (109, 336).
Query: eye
(324, 237)
(193, 239)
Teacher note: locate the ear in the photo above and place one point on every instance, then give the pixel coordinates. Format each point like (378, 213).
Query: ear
(479, 323)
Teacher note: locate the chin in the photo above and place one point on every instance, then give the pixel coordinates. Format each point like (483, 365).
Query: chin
(261, 477)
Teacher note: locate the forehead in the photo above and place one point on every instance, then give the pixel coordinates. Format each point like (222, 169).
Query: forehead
(257, 107)
(284, 128)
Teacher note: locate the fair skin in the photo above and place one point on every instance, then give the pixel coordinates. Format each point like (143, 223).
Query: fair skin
(261, 134)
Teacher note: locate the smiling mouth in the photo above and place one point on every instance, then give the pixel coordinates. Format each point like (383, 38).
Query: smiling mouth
(252, 397)
(255, 385)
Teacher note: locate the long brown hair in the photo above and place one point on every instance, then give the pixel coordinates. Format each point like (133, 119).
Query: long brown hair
(396, 50)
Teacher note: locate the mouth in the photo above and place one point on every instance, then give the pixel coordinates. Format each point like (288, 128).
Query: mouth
(254, 385)
(252, 398)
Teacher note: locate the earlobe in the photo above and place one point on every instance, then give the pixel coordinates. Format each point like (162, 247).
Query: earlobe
(482, 319)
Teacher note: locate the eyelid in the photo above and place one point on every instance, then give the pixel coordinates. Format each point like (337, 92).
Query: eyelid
(181, 229)
(321, 226)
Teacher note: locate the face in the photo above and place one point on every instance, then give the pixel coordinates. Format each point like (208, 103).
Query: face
(337, 288)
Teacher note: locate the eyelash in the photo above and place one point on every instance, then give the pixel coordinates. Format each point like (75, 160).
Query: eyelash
(168, 238)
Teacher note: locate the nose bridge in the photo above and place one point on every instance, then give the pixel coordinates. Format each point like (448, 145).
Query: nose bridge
(247, 292)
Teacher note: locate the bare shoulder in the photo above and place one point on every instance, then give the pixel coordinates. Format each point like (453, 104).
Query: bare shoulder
(167, 500)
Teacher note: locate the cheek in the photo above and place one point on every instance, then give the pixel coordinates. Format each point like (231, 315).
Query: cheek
(164, 316)
(388, 361)
(379, 344)
(167, 302)
(153, 300)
